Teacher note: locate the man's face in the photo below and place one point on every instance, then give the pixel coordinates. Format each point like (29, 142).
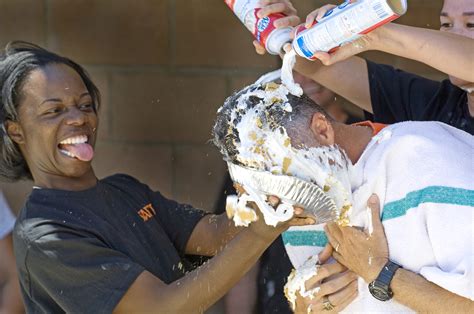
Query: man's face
(57, 122)
(457, 16)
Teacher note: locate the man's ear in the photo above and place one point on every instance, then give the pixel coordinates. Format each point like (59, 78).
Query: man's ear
(14, 131)
(322, 129)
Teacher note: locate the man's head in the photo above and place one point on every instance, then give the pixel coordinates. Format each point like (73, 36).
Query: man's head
(322, 96)
(48, 105)
(457, 16)
(265, 128)
(305, 122)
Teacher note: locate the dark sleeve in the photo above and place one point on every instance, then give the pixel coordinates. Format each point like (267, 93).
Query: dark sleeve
(178, 220)
(397, 95)
(80, 274)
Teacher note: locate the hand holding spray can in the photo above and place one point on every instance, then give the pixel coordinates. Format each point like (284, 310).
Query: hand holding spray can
(273, 39)
(345, 23)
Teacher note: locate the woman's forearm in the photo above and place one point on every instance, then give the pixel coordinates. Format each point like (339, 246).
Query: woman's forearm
(449, 53)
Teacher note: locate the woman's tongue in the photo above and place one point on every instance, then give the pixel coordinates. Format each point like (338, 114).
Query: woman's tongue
(83, 151)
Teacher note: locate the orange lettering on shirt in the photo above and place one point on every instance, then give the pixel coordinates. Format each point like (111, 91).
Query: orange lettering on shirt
(147, 212)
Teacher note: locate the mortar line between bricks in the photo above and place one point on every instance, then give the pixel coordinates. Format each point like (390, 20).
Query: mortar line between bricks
(47, 23)
(172, 32)
(180, 69)
(155, 144)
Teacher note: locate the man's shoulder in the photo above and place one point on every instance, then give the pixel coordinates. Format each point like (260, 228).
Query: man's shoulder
(419, 141)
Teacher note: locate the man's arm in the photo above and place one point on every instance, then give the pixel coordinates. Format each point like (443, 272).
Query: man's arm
(10, 297)
(355, 248)
(422, 295)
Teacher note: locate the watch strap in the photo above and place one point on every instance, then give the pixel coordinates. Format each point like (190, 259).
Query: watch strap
(387, 273)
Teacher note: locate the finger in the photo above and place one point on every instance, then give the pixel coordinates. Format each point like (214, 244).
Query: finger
(374, 205)
(311, 18)
(289, 21)
(338, 257)
(275, 8)
(298, 211)
(344, 297)
(273, 200)
(323, 57)
(323, 272)
(298, 221)
(333, 233)
(322, 11)
(325, 254)
(259, 48)
(335, 284)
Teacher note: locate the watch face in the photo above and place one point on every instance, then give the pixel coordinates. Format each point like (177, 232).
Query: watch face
(380, 293)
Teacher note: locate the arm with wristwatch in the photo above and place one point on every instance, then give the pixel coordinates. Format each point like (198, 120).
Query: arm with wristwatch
(367, 255)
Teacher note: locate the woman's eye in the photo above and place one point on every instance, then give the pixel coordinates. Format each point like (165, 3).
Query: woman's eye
(470, 25)
(87, 107)
(446, 25)
(53, 111)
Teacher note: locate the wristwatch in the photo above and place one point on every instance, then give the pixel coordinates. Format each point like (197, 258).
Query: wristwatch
(380, 287)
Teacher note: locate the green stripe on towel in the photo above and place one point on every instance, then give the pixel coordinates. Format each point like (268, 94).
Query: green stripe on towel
(305, 238)
(432, 194)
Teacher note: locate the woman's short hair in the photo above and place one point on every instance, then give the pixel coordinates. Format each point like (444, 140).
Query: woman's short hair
(17, 61)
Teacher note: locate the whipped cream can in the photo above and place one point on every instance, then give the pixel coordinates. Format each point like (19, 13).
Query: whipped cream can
(273, 39)
(345, 23)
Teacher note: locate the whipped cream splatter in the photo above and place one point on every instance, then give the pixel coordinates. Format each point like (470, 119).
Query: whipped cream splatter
(297, 281)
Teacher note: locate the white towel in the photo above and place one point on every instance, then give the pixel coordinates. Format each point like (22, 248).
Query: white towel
(423, 173)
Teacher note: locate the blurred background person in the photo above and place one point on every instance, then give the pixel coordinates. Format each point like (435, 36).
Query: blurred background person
(10, 297)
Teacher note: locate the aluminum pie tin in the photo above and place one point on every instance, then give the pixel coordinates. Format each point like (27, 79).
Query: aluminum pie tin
(291, 190)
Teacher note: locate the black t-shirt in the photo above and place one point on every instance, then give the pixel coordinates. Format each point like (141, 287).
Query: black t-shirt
(78, 252)
(400, 96)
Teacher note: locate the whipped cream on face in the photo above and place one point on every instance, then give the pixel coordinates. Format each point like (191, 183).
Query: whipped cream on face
(289, 60)
(263, 144)
(297, 281)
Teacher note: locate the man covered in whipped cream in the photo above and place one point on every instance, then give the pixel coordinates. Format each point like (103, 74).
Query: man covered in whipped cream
(419, 255)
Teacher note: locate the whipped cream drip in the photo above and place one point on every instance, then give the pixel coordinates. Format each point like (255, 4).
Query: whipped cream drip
(265, 146)
(289, 60)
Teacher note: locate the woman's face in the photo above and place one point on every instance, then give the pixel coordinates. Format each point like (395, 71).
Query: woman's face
(457, 16)
(56, 123)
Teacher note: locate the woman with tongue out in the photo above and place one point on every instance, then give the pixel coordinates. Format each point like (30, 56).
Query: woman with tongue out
(88, 245)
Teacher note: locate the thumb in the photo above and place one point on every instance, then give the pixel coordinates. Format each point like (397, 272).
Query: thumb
(325, 254)
(374, 205)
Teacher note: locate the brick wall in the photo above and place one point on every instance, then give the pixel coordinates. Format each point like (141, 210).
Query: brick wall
(164, 67)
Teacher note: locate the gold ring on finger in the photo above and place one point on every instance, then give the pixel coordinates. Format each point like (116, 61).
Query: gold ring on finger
(327, 305)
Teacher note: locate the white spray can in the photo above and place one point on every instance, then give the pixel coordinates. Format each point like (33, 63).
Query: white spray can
(345, 23)
(271, 38)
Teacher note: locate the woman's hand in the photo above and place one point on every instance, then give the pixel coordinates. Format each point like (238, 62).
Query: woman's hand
(359, 45)
(363, 252)
(337, 289)
(300, 218)
(277, 6)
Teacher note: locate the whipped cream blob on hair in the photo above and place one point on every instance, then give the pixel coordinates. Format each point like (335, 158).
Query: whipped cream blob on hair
(256, 138)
